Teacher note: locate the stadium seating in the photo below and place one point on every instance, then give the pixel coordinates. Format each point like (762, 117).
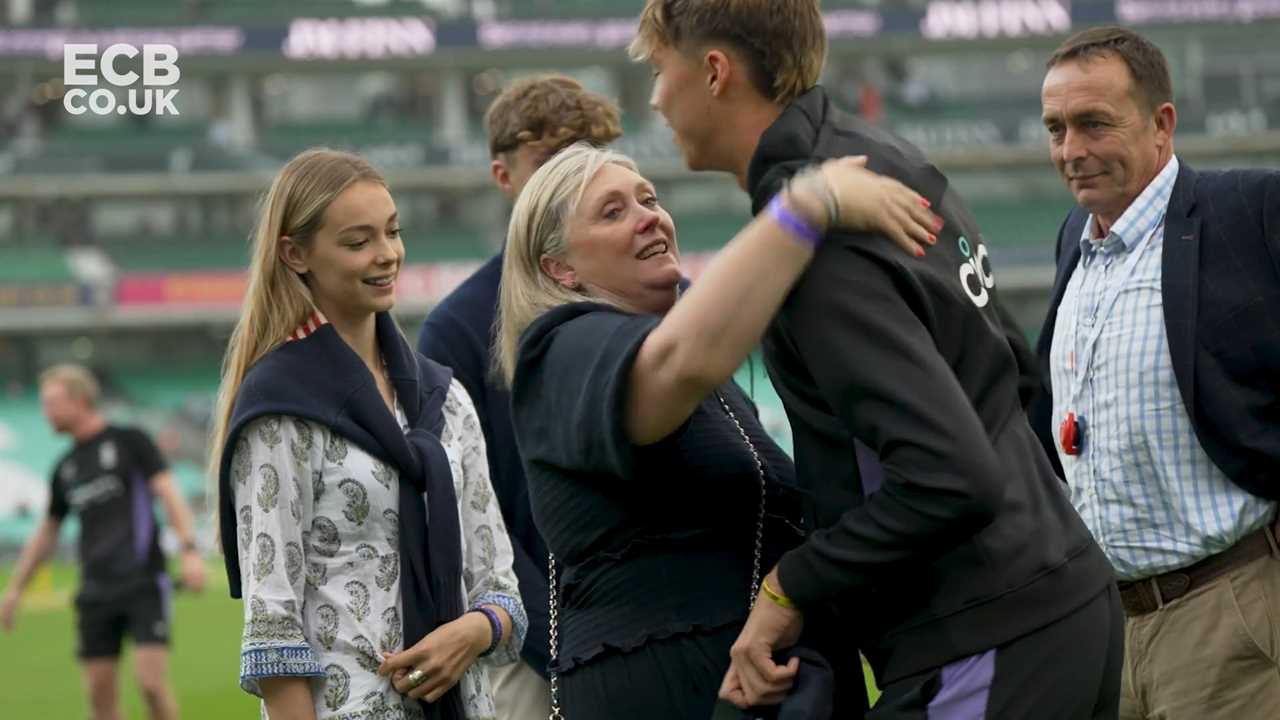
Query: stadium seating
(122, 147)
(28, 449)
(1019, 230)
(238, 12)
(252, 12)
(160, 254)
(35, 261)
(523, 9)
(288, 139)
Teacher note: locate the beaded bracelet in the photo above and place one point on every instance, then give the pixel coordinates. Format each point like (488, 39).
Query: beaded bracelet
(495, 626)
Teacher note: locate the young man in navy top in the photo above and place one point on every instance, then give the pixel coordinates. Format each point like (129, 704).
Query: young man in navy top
(528, 123)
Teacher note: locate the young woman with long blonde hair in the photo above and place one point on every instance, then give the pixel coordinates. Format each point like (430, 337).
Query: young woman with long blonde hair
(355, 509)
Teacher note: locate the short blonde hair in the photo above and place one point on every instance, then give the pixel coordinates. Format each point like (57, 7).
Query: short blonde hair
(539, 225)
(783, 41)
(78, 381)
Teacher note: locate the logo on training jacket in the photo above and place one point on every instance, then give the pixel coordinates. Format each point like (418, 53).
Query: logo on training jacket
(975, 274)
(107, 455)
(95, 492)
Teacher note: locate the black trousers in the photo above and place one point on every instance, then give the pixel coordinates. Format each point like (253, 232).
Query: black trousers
(1068, 670)
(678, 678)
(674, 678)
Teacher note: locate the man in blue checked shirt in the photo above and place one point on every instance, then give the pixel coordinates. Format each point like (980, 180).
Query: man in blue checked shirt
(1160, 371)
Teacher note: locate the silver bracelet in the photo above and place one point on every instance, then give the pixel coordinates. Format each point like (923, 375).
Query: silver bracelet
(812, 180)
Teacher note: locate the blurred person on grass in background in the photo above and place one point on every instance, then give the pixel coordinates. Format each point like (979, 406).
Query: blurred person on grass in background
(110, 479)
(944, 541)
(650, 476)
(355, 510)
(529, 122)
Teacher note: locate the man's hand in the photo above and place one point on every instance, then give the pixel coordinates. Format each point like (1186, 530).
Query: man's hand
(754, 678)
(8, 610)
(192, 570)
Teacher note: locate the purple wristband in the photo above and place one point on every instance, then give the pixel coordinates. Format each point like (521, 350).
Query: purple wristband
(801, 230)
(495, 626)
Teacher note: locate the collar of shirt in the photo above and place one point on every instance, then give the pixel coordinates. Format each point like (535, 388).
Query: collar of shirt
(1137, 221)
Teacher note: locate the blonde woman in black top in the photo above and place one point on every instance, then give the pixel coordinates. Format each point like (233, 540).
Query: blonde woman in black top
(647, 466)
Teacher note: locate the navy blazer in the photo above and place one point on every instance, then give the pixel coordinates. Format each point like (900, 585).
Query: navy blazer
(1221, 293)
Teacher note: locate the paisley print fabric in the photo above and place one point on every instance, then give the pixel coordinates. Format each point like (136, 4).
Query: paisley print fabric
(319, 555)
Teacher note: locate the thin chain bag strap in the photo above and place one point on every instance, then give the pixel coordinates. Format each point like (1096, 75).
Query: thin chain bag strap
(757, 554)
(758, 549)
(553, 601)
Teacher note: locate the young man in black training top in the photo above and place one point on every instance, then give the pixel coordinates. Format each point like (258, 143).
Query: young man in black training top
(965, 576)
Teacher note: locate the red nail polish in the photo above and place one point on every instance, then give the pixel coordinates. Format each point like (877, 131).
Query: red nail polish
(925, 202)
(933, 238)
(919, 252)
(938, 225)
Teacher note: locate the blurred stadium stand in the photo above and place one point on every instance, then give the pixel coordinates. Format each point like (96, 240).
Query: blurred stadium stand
(123, 240)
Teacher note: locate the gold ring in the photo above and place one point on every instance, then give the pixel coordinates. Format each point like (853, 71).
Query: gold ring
(415, 678)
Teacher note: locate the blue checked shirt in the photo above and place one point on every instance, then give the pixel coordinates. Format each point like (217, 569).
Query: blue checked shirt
(1142, 483)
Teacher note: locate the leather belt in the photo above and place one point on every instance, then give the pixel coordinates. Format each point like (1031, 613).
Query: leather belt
(1150, 594)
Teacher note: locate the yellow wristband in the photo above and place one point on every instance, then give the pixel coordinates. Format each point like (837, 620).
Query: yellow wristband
(778, 598)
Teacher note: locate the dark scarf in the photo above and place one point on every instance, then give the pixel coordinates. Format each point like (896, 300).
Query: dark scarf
(320, 378)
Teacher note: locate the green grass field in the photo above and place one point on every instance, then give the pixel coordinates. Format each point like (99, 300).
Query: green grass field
(42, 679)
